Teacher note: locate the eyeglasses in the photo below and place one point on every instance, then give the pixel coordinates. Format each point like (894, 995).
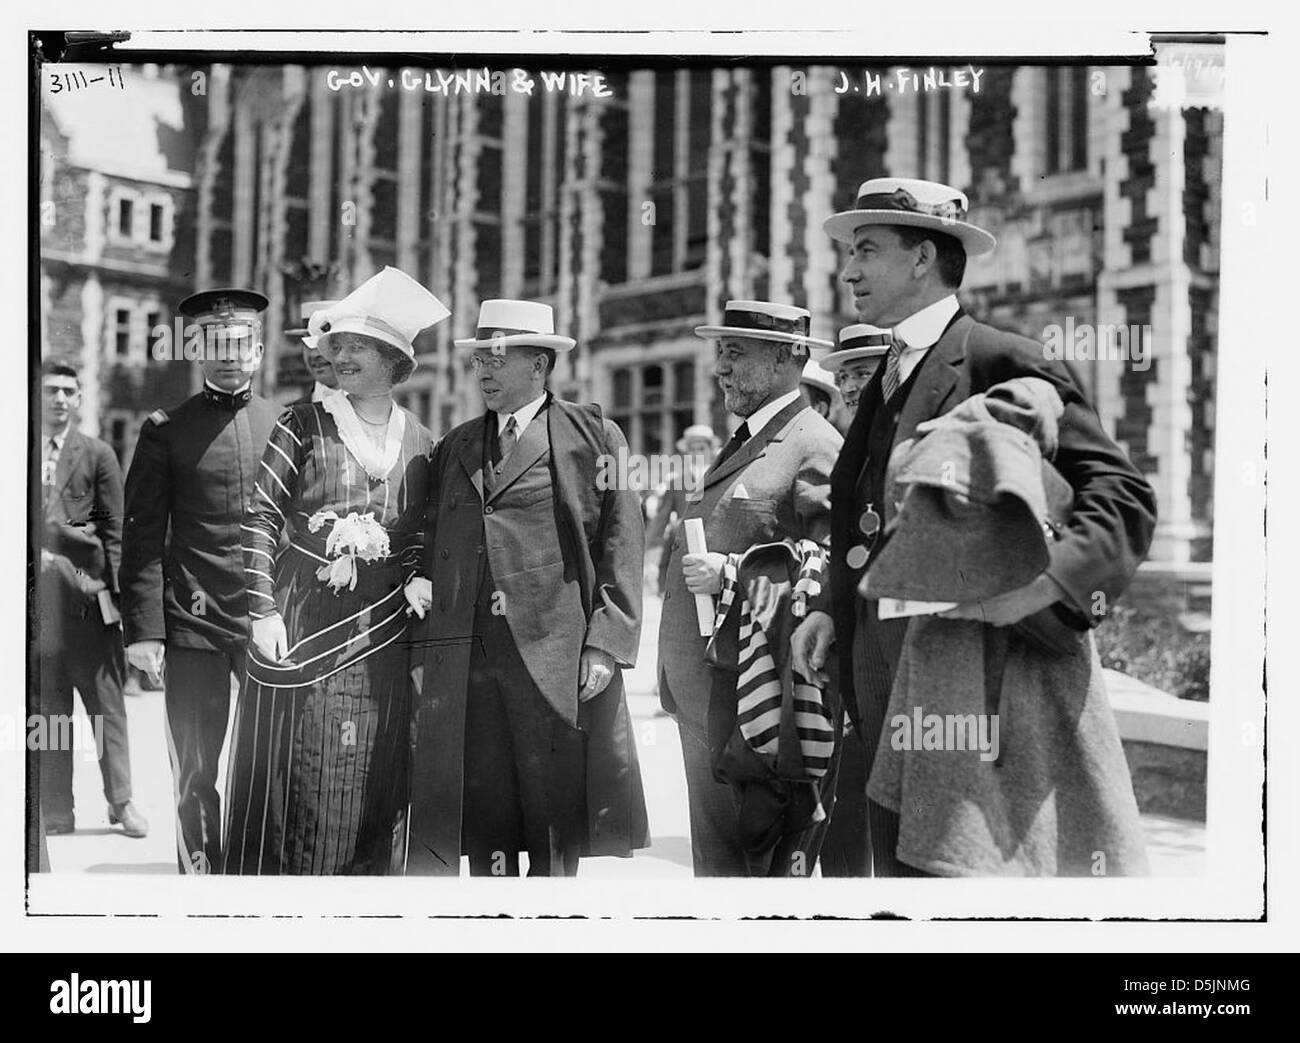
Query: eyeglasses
(481, 362)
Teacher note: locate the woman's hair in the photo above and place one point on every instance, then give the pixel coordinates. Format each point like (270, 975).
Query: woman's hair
(400, 365)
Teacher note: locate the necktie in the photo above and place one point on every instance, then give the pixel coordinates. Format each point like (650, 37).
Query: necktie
(49, 467)
(509, 438)
(735, 442)
(890, 382)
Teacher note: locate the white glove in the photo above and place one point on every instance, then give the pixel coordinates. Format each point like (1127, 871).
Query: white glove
(271, 639)
(419, 594)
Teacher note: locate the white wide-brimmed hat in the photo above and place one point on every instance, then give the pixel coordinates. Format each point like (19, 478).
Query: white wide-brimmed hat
(305, 311)
(858, 341)
(697, 431)
(516, 324)
(918, 204)
(763, 320)
(389, 306)
(815, 376)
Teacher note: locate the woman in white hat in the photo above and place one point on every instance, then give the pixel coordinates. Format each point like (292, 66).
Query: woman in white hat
(318, 763)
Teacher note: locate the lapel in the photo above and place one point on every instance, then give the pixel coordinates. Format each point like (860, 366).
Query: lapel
(470, 449)
(940, 373)
(68, 456)
(530, 447)
(773, 431)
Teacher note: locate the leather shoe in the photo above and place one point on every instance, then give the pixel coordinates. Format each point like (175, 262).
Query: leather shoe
(133, 823)
(57, 826)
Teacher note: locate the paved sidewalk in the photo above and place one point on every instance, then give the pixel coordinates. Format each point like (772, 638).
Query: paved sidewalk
(1177, 848)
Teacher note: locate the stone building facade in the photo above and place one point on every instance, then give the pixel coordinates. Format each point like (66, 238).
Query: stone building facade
(115, 213)
(639, 214)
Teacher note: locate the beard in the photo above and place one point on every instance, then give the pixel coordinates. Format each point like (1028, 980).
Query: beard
(750, 389)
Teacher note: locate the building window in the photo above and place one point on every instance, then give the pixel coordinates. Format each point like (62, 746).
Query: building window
(679, 180)
(126, 218)
(933, 133)
(155, 223)
(122, 329)
(1067, 120)
(654, 402)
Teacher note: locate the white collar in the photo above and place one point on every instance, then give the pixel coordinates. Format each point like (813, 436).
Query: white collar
(923, 329)
(220, 391)
(757, 420)
(322, 391)
(523, 415)
(60, 438)
(377, 461)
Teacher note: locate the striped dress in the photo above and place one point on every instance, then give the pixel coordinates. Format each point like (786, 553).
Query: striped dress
(317, 782)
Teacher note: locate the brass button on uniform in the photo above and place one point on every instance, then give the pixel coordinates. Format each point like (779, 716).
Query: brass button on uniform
(857, 556)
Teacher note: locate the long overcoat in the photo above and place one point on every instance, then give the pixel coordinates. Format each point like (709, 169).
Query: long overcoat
(602, 544)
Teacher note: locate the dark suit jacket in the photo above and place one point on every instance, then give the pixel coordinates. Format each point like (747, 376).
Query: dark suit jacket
(82, 529)
(785, 471)
(190, 483)
(1114, 507)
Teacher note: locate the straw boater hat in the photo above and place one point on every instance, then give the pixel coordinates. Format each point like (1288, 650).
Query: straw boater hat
(516, 324)
(918, 204)
(763, 320)
(814, 375)
(390, 306)
(697, 431)
(305, 311)
(858, 341)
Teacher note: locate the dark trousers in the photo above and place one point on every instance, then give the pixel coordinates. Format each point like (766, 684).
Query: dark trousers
(92, 661)
(875, 647)
(197, 686)
(716, 845)
(846, 851)
(524, 766)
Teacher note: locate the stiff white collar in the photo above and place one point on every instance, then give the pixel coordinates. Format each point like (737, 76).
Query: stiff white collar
(921, 331)
(222, 391)
(523, 415)
(758, 419)
(924, 328)
(376, 461)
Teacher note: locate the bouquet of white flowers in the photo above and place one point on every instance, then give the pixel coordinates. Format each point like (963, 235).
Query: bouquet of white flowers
(350, 538)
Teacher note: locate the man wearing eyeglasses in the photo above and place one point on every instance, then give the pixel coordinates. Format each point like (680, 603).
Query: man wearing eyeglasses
(532, 601)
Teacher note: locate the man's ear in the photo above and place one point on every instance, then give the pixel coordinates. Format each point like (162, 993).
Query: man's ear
(926, 259)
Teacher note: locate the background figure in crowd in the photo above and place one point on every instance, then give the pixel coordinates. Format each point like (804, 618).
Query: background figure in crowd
(908, 242)
(524, 741)
(697, 447)
(859, 351)
(818, 388)
(80, 632)
(316, 360)
(770, 482)
(184, 600)
(317, 777)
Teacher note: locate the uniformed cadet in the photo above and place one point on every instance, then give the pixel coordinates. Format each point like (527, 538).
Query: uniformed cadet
(182, 578)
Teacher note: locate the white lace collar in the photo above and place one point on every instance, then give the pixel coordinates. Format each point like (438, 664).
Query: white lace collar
(376, 461)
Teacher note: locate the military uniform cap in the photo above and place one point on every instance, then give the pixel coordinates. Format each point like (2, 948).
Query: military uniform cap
(224, 305)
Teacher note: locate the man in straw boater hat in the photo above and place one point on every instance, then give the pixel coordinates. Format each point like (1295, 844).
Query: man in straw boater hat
(325, 380)
(770, 483)
(532, 610)
(184, 599)
(859, 351)
(907, 244)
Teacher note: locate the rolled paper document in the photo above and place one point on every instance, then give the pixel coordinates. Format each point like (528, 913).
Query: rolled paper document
(703, 603)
